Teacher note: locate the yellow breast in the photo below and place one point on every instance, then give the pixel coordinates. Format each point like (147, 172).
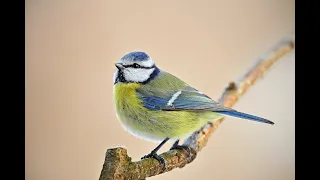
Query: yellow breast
(154, 125)
(130, 111)
(125, 95)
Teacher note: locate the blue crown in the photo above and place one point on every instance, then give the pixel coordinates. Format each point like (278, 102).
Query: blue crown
(136, 56)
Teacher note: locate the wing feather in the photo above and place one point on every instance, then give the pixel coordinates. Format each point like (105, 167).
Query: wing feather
(156, 96)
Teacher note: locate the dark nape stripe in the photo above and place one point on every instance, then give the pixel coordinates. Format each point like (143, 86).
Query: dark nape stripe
(141, 67)
(154, 74)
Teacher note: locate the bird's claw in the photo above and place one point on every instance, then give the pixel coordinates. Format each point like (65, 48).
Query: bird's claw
(157, 157)
(185, 147)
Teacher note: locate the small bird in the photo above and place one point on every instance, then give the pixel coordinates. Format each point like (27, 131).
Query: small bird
(154, 105)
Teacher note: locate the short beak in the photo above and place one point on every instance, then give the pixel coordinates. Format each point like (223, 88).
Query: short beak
(119, 66)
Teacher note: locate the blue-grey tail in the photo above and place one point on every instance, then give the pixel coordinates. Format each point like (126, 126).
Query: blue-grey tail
(245, 116)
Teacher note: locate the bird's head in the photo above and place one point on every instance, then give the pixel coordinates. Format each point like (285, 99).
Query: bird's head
(136, 67)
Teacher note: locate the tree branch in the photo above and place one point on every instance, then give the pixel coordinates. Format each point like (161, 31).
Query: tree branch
(118, 164)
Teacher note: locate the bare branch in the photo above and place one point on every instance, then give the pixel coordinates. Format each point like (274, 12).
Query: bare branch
(118, 165)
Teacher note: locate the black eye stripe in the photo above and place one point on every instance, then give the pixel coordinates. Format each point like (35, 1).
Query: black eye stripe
(140, 67)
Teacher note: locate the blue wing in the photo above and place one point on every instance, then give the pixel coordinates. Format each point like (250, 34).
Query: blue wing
(186, 99)
(153, 102)
(172, 94)
(195, 102)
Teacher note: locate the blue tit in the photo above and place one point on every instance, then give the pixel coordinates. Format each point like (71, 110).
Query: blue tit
(154, 105)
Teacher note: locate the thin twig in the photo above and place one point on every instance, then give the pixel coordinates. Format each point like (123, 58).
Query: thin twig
(118, 164)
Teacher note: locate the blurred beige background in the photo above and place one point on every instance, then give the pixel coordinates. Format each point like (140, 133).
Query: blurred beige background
(71, 48)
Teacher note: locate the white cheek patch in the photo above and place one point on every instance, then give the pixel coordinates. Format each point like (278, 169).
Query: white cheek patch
(137, 74)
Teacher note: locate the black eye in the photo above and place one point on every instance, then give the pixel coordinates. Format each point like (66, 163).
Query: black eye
(135, 65)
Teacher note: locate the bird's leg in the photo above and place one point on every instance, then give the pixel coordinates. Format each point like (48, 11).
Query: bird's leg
(154, 154)
(177, 146)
